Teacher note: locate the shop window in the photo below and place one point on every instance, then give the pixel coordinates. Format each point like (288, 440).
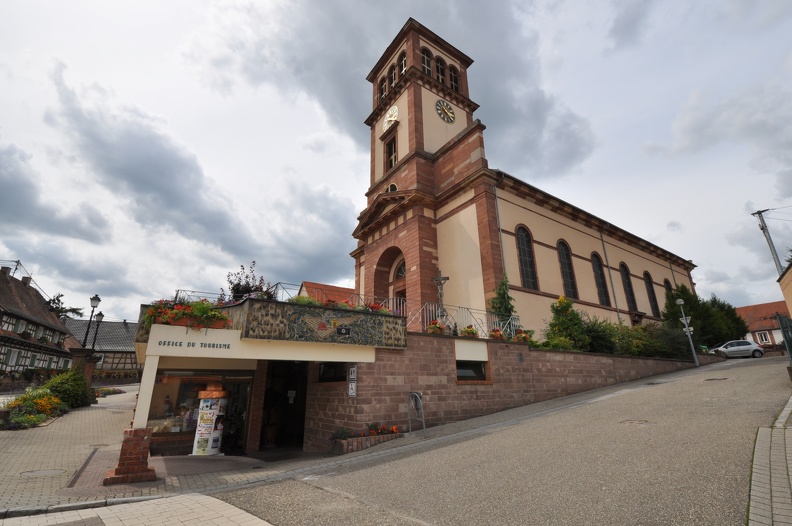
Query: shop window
(527, 265)
(650, 292)
(332, 372)
(453, 77)
(426, 62)
(567, 272)
(476, 371)
(599, 280)
(629, 293)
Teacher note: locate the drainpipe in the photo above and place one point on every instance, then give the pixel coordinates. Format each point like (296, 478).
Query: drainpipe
(497, 215)
(610, 275)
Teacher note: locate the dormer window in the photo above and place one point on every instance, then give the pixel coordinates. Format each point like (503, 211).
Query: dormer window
(383, 86)
(453, 76)
(402, 64)
(426, 62)
(440, 68)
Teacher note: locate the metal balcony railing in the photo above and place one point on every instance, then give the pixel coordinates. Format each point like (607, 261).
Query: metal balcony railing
(418, 315)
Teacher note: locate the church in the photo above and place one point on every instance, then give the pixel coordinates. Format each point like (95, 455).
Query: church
(440, 231)
(436, 207)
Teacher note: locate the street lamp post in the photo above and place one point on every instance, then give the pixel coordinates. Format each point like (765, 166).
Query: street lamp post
(685, 319)
(99, 318)
(95, 300)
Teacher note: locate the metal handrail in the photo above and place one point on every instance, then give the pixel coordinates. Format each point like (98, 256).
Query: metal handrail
(419, 315)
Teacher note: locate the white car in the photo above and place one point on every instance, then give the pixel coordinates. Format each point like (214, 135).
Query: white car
(737, 348)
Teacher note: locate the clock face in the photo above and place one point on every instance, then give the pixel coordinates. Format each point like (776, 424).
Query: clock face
(445, 111)
(390, 117)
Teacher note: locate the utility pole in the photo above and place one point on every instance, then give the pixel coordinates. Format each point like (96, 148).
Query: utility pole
(766, 232)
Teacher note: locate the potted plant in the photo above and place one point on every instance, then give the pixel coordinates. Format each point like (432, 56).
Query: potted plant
(435, 327)
(469, 332)
(523, 336)
(496, 334)
(197, 315)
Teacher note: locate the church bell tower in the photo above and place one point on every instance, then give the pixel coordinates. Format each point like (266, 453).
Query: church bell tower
(427, 152)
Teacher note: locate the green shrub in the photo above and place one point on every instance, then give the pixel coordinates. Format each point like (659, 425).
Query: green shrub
(566, 325)
(601, 335)
(305, 300)
(71, 388)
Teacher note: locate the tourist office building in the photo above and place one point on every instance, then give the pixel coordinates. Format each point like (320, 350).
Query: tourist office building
(441, 229)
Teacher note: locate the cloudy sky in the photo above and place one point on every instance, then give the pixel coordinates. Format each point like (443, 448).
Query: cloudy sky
(152, 146)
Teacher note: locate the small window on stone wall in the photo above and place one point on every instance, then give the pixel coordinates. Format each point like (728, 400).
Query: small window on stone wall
(332, 372)
(471, 370)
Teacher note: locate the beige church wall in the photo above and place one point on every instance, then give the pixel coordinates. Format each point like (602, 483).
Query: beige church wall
(547, 229)
(459, 255)
(437, 132)
(402, 138)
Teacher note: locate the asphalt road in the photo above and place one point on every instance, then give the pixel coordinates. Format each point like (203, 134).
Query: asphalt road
(670, 450)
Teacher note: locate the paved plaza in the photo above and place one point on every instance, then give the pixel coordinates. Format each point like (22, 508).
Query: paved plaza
(53, 474)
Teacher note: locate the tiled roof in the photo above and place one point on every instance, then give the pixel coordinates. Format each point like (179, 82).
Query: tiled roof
(114, 336)
(20, 299)
(322, 292)
(762, 317)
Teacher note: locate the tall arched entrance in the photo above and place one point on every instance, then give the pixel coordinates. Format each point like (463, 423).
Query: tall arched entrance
(390, 279)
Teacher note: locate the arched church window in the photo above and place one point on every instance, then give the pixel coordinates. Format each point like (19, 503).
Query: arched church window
(599, 280)
(392, 76)
(527, 264)
(440, 69)
(383, 89)
(628, 288)
(402, 64)
(401, 271)
(567, 272)
(391, 188)
(426, 61)
(650, 292)
(668, 287)
(453, 77)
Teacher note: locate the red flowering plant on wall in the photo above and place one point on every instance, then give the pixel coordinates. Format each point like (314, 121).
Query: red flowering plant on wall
(201, 314)
(372, 429)
(435, 327)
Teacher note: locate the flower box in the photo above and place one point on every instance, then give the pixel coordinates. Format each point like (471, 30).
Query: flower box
(350, 445)
(200, 324)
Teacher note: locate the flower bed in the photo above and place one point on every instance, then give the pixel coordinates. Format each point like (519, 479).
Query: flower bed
(350, 445)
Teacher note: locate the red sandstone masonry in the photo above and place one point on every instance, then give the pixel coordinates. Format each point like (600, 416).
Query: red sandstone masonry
(133, 460)
(519, 376)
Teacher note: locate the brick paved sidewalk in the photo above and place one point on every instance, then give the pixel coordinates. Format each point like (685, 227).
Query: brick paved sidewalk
(771, 493)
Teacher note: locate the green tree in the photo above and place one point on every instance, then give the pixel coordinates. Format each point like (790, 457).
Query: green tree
(502, 304)
(55, 304)
(713, 321)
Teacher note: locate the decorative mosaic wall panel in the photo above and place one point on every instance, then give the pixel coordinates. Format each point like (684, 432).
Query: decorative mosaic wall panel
(271, 320)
